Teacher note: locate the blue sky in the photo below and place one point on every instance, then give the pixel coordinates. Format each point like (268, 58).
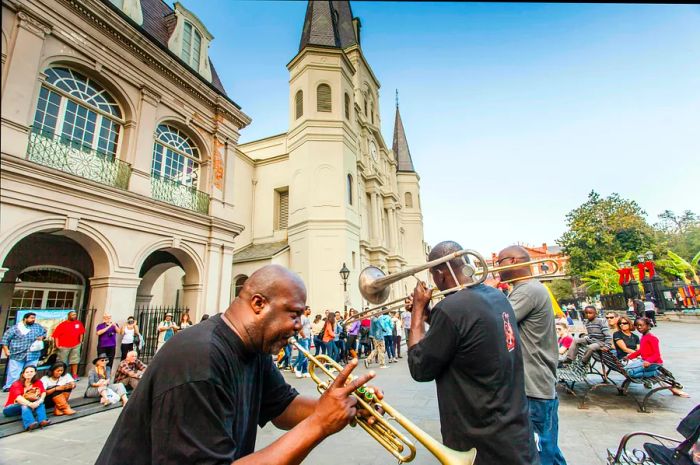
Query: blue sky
(513, 112)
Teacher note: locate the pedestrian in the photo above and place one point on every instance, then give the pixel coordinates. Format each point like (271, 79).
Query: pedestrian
(376, 334)
(329, 336)
(317, 332)
(650, 309)
(26, 398)
(353, 331)
(387, 331)
(406, 320)
(185, 321)
(22, 345)
(68, 337)
(534, 314)
(301, 367)
(107, 338)
(474, 354)
(166, 330)
(130, 334)
(396, 333)
(204, 396)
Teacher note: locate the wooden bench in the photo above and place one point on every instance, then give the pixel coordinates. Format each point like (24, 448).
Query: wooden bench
(663, 380)
(83, 406)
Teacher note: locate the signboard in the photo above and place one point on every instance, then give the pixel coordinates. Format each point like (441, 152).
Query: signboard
(49, 318)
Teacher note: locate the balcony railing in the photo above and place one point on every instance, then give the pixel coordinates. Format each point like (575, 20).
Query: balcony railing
(68, 156)
(171, 191)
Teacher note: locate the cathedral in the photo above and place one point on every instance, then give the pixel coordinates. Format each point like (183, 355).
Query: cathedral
(329, 192)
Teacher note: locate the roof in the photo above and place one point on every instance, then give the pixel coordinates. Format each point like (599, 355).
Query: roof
(159, 22)
(328, 24)
(400, 145)
(256, 252)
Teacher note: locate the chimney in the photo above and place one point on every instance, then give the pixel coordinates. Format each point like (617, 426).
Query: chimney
(544, 247)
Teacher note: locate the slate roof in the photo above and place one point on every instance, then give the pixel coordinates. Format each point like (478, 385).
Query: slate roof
(256, 252)
(328, 24)
(400, 145)
(159, 23)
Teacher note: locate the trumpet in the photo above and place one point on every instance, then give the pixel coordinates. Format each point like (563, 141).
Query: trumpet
(382, 430)
(375, 285)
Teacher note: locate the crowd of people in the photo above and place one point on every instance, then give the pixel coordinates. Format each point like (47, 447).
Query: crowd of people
(30, 394)
(374, 340)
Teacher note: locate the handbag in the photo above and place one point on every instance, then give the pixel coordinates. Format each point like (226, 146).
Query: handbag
(112, 396)
(32, 394)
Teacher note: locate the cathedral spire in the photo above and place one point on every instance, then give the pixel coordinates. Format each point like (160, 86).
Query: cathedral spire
(328, 24)
(400, 145)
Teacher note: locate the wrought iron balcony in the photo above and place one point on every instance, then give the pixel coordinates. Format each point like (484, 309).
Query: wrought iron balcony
(171, 191)
(70, 157)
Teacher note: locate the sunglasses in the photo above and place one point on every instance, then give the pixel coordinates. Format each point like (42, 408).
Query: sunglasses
(624, 323)
(610, 317)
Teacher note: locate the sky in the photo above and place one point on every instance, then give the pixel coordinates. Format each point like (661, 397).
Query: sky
(513, 112)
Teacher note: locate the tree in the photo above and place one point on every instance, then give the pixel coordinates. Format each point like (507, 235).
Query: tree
(679, 233)
(562, 289)
(602, 229)
(676, 224)
(680, 268)
(603, 279)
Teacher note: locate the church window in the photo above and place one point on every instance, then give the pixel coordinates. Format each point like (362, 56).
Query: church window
(371, 112)
(350, 194)
(281, 208)
(408, 200)
(347, 106)
(78, 111)
(299, 104)
(175, 156)
(323, 98)
(365, 107)
(191, 46)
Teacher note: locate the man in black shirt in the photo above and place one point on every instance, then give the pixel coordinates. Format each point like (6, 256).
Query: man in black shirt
(472, 351)
(208, 388)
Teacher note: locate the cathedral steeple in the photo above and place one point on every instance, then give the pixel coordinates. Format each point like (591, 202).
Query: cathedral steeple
(329, 24)
(400, 145)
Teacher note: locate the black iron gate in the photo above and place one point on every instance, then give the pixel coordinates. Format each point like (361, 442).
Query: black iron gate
(148, 319)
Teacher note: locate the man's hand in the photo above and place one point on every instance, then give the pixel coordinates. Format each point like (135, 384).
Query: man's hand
(337, 407)
(379, 395)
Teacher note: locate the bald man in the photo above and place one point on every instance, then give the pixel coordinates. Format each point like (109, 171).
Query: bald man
(472, 351)
(207, 390)
(533, 310)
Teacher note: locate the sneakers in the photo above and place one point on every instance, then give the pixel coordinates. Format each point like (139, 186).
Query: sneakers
(383, 366)
(297, 373)
(306, 375)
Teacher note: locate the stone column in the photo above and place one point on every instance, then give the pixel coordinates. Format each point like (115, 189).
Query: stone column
(225, 296)
(191, 297)
(392, 231)
(212, 281)
(375, 216)
(20, 87)
(141, 155)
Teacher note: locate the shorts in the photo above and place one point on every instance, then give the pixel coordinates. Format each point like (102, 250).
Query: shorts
(69, 355)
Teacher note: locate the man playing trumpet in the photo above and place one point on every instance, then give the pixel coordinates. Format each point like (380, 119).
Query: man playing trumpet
(472, 351)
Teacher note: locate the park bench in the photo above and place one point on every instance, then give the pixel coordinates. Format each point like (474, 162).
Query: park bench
(578, 372)
(83, 406)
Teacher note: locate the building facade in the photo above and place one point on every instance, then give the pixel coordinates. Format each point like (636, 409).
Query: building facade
(329, 191)
(118, 148)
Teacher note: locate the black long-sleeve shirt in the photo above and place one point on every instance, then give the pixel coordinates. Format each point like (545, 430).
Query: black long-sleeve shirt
(472, 351)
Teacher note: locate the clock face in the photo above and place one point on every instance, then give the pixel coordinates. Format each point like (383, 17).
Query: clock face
(373, 151)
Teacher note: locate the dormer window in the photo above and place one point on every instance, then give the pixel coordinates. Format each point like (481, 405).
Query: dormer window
(191, 46)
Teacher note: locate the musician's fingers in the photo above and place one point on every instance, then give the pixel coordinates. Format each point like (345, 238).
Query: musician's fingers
(357, 382)
(342, 377)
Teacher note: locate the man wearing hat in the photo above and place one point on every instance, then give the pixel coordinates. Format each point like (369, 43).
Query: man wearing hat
(166, 330)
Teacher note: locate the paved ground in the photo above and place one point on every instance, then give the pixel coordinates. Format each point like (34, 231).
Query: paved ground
(584, 434)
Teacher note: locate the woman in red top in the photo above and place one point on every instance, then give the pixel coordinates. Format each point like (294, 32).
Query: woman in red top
(27, 399)
(649, 353)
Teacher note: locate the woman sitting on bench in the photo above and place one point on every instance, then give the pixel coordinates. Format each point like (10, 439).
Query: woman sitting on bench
(650, 355)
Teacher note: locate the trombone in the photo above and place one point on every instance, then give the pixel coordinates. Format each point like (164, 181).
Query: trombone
(375, 285)
(381, 430)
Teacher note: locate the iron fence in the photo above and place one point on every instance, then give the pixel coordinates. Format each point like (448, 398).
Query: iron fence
(148, 319)
(173, 192)
(76, 158)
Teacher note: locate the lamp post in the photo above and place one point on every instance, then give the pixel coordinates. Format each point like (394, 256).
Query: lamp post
(344, 275)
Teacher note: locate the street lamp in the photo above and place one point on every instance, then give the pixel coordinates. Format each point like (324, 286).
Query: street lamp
(649, 255)
(344, 275)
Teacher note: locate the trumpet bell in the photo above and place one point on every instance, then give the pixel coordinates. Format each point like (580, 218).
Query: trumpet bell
(368, 289)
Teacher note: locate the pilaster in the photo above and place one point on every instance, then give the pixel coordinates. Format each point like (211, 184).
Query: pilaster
(141, 155)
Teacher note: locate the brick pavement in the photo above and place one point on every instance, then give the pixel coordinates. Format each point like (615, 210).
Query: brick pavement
(584, 434)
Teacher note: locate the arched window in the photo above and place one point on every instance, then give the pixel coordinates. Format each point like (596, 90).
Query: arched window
(191, 46)
(350, 194)
(371, 112)
(299, 104)
(175, 156)
(347, 106)
(323, 98)
(79, 111)
(238, 284)
(365, 107)
(408, 200)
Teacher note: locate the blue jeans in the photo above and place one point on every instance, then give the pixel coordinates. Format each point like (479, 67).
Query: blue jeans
(302, 363)
(320, 347)
(26, 412)
(14, 370)
(389, 344)
(635, 369)
(331, 349)
(544, 418)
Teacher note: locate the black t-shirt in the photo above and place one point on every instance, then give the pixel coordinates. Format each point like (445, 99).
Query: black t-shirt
(631, 341)
(200, 401)
(472, 350)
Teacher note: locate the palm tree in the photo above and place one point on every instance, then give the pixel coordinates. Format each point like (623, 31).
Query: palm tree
(677, 266)
(603, 279)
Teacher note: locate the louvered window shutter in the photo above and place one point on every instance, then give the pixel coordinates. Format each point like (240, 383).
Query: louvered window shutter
(323, 98)
(347, 106)
(299, 103)
(283, 219)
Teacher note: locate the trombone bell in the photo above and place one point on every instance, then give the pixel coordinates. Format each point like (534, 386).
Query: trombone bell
(371, 292)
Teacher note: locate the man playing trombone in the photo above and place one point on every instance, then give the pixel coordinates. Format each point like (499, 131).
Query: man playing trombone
(472, 350)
